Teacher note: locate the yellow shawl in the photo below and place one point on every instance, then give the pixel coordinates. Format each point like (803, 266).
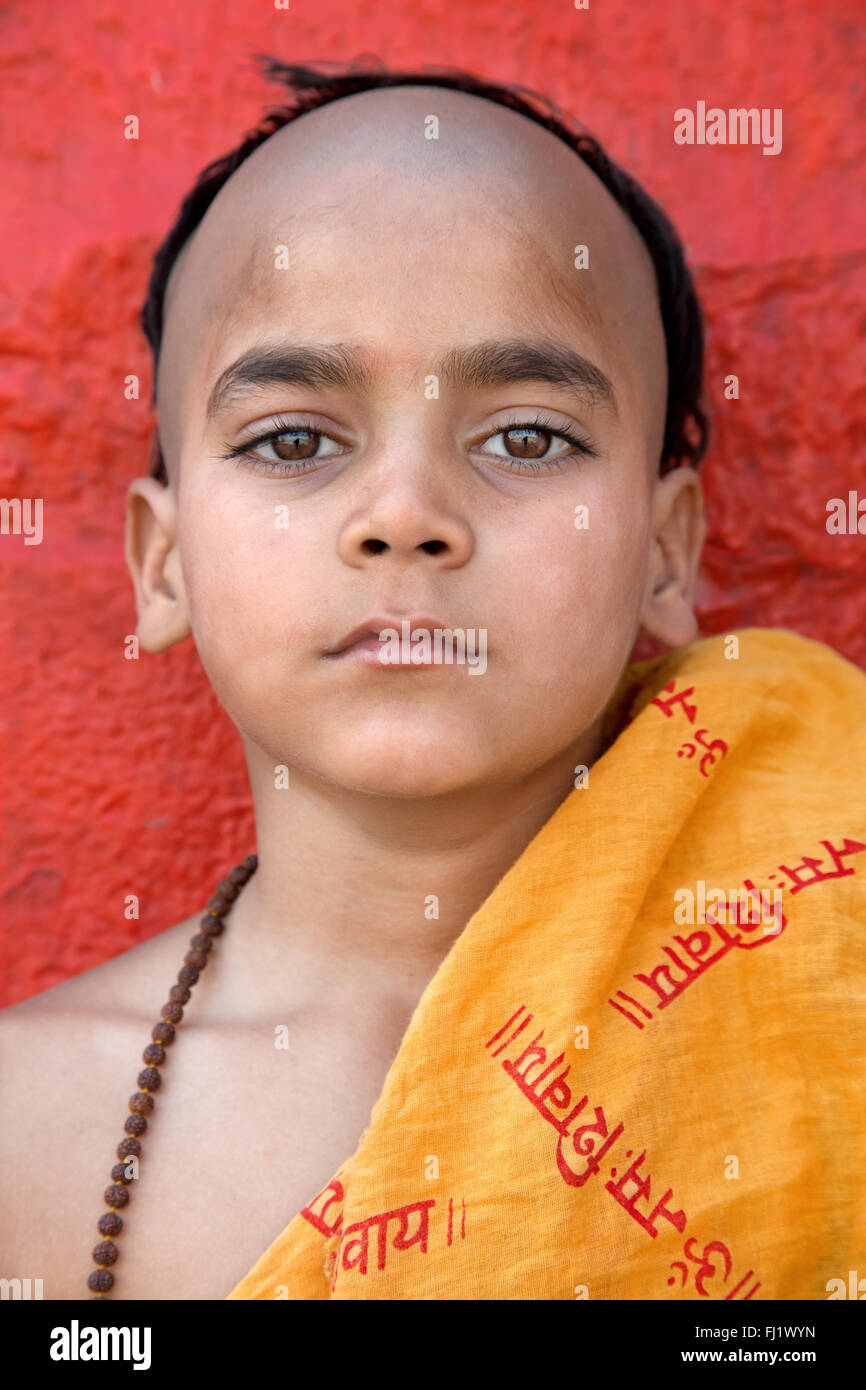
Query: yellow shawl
(620, 1083)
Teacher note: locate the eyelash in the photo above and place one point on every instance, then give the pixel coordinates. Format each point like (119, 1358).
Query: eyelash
(289, 467)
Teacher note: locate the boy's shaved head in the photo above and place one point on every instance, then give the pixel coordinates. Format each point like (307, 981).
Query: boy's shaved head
(359, 180)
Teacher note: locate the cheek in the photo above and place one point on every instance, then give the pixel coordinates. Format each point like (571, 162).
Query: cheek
(250, 588)
(575, 594)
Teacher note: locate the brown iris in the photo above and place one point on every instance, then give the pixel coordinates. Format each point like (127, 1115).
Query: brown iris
(523, 435)
(295, 451)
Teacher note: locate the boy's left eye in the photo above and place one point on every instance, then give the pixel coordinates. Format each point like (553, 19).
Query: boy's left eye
(294, 442)
(531, 439)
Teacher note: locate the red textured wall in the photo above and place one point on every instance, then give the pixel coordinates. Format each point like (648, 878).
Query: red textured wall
(127, 777)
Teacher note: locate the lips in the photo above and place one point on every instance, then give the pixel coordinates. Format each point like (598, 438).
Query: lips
(368, 631)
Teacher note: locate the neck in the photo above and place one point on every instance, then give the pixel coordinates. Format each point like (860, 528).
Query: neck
(377, 888)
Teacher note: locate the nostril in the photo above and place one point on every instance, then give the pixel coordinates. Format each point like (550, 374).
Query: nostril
(375, 547)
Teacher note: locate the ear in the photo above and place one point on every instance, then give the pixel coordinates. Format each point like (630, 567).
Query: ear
(678, 530)
(154, 564)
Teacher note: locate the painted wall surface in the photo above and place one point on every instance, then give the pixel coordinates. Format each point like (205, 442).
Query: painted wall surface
(124, 777)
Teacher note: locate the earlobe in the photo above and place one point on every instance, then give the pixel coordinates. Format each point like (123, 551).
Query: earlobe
(154, 564)
(678, 529)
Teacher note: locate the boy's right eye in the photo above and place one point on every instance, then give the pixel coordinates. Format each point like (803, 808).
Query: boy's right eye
(295, 444)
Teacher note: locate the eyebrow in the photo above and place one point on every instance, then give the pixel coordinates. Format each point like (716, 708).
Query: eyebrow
(344, 366)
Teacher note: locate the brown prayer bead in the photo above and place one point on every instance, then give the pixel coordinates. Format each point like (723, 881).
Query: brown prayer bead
(179, 994)
(196, 959)
(212, 926)
(110, 1224)
(154, 1054)
(119, 1175)
(116, 1196)
(105, 1253)
(250, 863)
(101, 1280)
(187, 975)
(172, 1013)
(127, 1147)
(227, 890)
(135, 1124)
(149, 1079)
(164, 1032)
(202, 942)
(141, 1104)
(238, 876)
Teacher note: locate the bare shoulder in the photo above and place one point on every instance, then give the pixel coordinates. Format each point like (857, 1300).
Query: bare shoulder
(59, 1091)
(115, 984)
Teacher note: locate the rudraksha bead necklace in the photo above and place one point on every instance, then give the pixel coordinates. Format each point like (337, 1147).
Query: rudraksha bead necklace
(150, 1080)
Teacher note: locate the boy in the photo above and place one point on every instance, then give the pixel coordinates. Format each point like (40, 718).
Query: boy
(548, 980)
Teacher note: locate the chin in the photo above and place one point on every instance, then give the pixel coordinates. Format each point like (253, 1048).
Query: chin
(404, 772)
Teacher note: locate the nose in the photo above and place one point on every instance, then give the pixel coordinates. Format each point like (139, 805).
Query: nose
(406, 528)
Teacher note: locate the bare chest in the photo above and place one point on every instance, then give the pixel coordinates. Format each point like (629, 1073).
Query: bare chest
(244, 1133)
